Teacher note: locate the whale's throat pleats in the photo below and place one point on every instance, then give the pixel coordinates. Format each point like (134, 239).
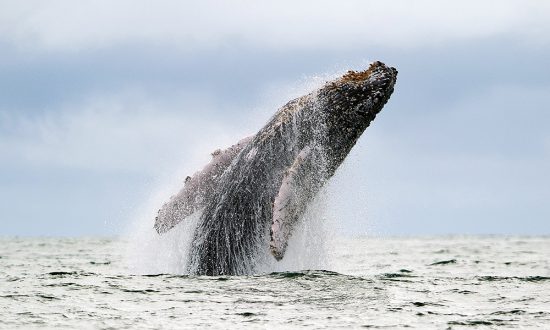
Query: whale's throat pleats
(198, 189)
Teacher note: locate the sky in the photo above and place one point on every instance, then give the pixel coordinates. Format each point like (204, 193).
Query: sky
(105, 106)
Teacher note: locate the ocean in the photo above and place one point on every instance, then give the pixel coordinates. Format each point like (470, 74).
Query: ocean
(451, 282)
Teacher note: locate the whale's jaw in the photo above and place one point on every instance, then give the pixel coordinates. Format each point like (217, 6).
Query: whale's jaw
(351, 103)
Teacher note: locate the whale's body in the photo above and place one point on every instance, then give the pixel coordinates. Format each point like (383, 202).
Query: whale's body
(252, 194)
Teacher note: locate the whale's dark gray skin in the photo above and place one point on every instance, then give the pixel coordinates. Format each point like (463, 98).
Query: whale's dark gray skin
(252, 194)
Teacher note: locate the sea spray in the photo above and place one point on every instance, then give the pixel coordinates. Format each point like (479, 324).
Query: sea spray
(229, 236)
(310, 246)
(150, 253)
(311, 242)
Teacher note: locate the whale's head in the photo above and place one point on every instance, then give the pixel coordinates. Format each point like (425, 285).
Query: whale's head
(351, 103)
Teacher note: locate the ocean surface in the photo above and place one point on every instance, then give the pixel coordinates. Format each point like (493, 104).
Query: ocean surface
(422, 283)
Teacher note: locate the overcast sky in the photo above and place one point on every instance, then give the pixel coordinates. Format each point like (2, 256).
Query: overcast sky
(105, 106)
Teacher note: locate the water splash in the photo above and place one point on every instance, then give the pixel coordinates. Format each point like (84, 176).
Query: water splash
(308, 247)
(269, 184)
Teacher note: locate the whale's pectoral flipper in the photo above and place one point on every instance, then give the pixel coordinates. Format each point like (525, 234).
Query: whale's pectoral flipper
(197, 189)
(299, 185)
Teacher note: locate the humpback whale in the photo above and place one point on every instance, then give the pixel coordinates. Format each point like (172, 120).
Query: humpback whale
(252, 194)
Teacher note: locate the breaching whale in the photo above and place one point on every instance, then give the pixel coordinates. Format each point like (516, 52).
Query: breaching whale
(251, 195)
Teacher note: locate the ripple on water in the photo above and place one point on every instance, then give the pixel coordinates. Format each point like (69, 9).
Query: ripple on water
(375, 283)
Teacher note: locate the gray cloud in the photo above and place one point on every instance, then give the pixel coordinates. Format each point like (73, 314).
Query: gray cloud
(92, 119)
(275, 25)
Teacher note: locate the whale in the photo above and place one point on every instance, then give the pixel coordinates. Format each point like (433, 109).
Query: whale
(251, 196)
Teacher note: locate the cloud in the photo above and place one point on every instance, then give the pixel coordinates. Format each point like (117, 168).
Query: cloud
(78, 26)
(96, 96)
(119, 134)
(130, 130)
